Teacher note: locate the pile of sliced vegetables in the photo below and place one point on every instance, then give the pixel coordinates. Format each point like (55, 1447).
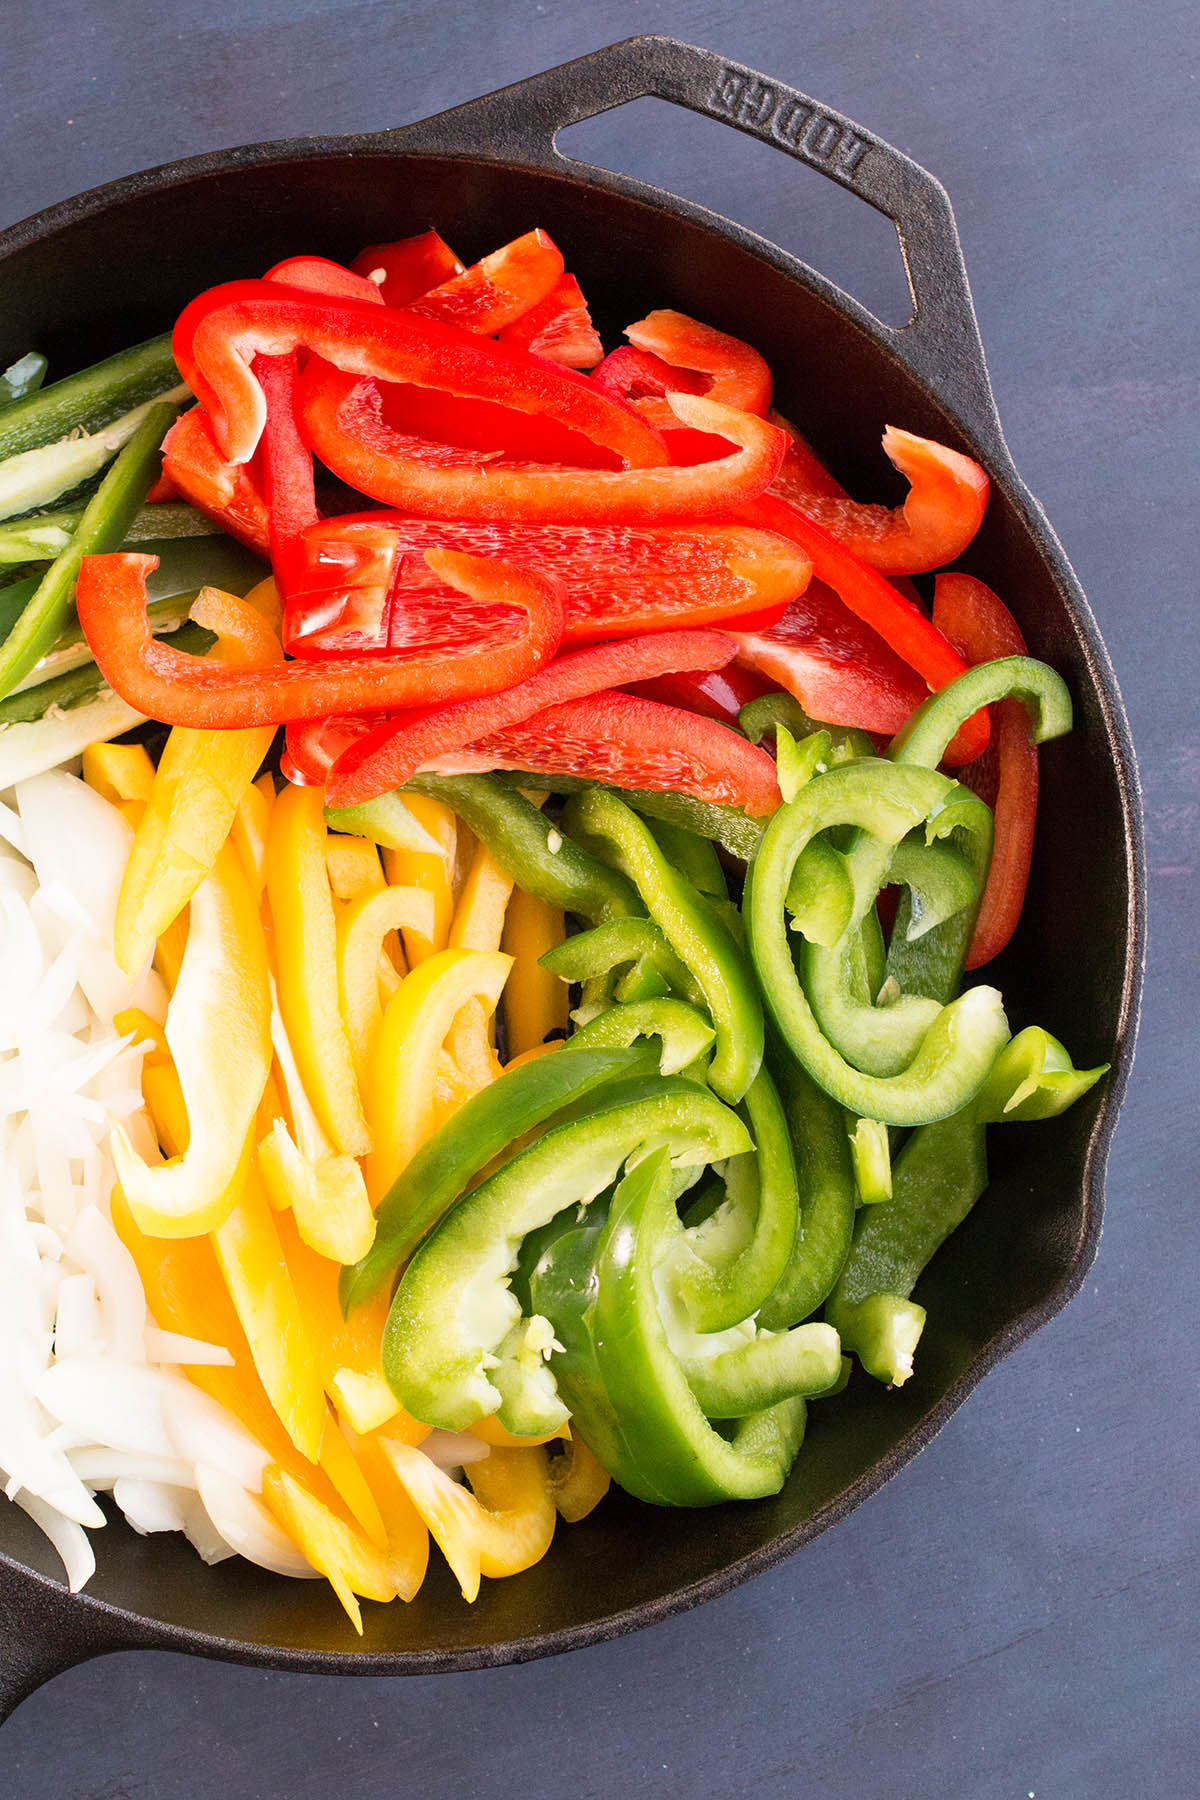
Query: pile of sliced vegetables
(526, 1075)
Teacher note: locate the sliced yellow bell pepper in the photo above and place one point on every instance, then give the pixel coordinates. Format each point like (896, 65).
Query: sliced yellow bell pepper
(341, 1465)
(416, 868)
(200, 780)
(451, 1089)
(168, 952)
(251, 824)
(578, 1482)
(399, 1091)
(218, 1031)
(407, 1533)
(306, 965)
(119, 772)
(344, 1556)
(478, 924)
(354, 866)
(327, 1196)
(362, 926)
(535, 1002)
(505, 1525)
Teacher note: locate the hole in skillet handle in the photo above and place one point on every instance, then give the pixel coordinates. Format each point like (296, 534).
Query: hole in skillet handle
(939, 344)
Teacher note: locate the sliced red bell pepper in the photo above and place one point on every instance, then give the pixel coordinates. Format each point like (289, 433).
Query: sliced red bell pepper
(317, 275)
(898, 621)
(943, 511)
(230, 494)
(178, 689)
(977, 621)
(364, 575)
(559, 328)
(718, 694)
(287, 467)
(736, 374)
(405, 270)
(219, 333)
(485, 426)
(839, 670)
(634, 743)
(390, 752)
(498, 289)
(312, 746)
(345, 424)
(643, 381)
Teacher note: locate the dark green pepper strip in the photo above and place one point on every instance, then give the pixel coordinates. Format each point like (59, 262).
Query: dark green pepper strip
(724, 825)
(694, 857)
(761, 716)
(591, 954)
(961, 1045)
(105, 520)
(516, 1102)
(674, 1453)
(724, 1269)
(936, 1180)
(764, 1370)
(826, 1193)
(530, 848)
(697, 935)
(456, 1348)
(89, 399)
(76, 687)
(685, 1033)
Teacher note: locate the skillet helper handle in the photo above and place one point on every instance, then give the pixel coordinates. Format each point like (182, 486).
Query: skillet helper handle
(940, 344)
(45, 1630)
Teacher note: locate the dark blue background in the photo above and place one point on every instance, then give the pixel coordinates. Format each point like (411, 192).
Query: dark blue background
(1014, 1616)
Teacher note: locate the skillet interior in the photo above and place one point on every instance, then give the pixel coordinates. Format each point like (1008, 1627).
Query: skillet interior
(98, 282)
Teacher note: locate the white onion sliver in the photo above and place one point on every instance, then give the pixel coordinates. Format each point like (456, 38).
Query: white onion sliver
(77, 1327)
(151, 1505)
(171, 1347)
(201, 1431)
(95, 1246)
(68, 1538)
(453, 1449)
(108, 1401)
(247, 1526)
(100, 1466)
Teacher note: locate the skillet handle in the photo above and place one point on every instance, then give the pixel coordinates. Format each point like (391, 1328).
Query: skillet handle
(940, 344)
(44, 1630)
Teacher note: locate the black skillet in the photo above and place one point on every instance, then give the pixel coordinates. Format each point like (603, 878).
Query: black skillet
(115, 265)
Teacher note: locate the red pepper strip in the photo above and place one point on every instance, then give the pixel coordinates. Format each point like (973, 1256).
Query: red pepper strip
(314, 745)
(839, 670)
(405, 270)
(495, 291)
(390, 752)
(901, 624)
(977, 621)
(178, 689)
(943, 511)
(366, 575)
(643, 381)
(287, 464)
(348, 433)
(485, 426)
(719, 694)
(317, 275)
(218, 334)
(558, 327)
(231, 494)
(630, 742)
(737, 375)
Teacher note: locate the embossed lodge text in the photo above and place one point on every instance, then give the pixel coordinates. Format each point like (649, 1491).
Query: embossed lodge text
(796, 124)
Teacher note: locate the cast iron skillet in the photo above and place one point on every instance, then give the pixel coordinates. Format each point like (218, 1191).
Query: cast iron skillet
(115, 265)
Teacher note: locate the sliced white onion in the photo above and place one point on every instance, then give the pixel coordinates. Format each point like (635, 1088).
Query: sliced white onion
(95, 1246)
(453, 1449)
(203, 1535)
(77, 1327)
(151, 1505)
(100, 1466)
(246, 1525)
(109, 1401)
(201, 1431)
(69, 1539)
(171, 1347)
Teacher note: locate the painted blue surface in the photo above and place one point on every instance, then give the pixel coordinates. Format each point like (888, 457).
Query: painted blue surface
(1014, 1616)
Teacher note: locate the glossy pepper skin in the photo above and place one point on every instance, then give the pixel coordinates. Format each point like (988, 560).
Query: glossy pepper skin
(456, 1346)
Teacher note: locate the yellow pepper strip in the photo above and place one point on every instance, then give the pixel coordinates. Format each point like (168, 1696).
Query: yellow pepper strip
(407, 1533)
(417, 868)
(272, 1106)
(119, 772)
(490, 1431)
(362, 926)
(343, 1555)
(251, 824)
(327, 1196)
(363, 1401)
(451, 1089)
(218, 1031)
(578, 1482)
(504, 1526)
(256, 1275)
(201, 777)
(535, 1002)
(478, 924)
(133, 1023)
(185, 1293)
(403, 1063)
(354, 866)
(341, 1465)
(168, 952)
(306, 965)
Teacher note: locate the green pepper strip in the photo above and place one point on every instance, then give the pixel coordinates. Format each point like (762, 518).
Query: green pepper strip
(530, 848)
(634, 1406)
(105, 520)
(455, 1347)
(723, 825)
(826, 1192)
(700, 939)
(936, 1180)
(761, 716)
(444, 1167)
(694, 857)
(89, 399)
(685, 1033)
(960, 1046)
(725, 1268)
(591, 955)
(763, 1371)
(77, 686)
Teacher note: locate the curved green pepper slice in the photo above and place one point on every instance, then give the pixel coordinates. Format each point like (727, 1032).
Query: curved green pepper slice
(685, 1033)
(826, 1193)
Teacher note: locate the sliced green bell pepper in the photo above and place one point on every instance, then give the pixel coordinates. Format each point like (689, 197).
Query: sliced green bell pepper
(685, 1033)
